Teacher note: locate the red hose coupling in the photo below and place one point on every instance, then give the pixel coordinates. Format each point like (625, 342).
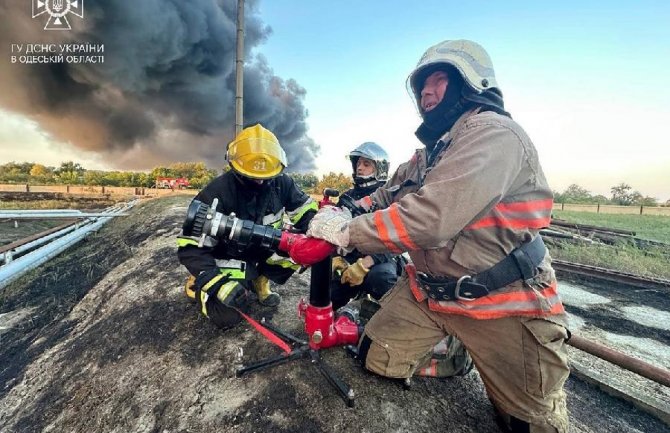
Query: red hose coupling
(324, 331)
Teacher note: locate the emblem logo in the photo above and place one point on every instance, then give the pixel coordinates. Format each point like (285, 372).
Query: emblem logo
(58, 11)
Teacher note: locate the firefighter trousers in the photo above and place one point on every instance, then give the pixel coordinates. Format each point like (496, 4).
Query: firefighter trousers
(521, 360)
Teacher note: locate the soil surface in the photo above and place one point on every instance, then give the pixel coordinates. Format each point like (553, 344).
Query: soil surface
(103, 340)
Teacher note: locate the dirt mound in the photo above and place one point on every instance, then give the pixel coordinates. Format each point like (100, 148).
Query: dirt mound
(102, 340)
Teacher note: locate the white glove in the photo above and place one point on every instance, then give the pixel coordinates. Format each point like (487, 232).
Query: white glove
(331, 224)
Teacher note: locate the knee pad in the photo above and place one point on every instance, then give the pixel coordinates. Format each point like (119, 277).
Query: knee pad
(378, 359)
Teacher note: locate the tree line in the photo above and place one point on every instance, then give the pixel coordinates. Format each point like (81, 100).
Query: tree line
(622, 195)
(198, 175)
(72, 173)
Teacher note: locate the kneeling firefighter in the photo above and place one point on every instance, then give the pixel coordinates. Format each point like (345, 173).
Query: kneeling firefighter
(376, 274)
(357, 273)
(255, 189)
(468, 209)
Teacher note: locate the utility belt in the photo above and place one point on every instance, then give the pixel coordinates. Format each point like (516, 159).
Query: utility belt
(520, 264)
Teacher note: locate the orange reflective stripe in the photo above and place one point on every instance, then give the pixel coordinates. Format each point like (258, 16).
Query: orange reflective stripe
(384, 233)
(511, 215)
(517, 223)
(433, 367)
(429, 371)
(403, 236)
(419, 294)
(495, 305)
(526, 206)
(505, 305)
(496, 314)
(516, 296)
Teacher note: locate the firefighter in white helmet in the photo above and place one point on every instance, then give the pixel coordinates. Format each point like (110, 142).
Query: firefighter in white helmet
(375, 274)
(255, 189)
(468, 208)
(357, 274)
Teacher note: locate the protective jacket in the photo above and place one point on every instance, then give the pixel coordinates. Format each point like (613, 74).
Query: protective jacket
(482, 195)
(263, 205)
(357, 193)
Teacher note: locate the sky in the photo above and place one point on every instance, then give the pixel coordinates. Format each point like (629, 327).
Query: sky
(587, 80)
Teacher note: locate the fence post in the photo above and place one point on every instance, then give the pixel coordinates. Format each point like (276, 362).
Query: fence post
(563, 206)
(641, 206)
(598, 208)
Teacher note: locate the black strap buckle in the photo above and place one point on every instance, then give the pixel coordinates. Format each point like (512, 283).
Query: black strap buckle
(457, 290)
(468, 289)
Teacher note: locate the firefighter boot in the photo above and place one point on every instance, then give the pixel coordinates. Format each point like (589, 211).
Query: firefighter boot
(189, 288)
(265, 296)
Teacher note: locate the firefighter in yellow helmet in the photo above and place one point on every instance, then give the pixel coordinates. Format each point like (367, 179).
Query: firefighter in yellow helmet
(255, 189)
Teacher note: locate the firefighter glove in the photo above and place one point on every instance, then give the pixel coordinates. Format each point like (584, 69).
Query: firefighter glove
(339, 265)
(220, 296)
(331, 224)
(220, 282)
(354, 274)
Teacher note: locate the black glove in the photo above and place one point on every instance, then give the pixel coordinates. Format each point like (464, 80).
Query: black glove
(220, 297)
(220, 283)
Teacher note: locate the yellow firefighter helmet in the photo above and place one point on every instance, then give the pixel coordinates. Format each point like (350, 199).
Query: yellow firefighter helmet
(256, 153)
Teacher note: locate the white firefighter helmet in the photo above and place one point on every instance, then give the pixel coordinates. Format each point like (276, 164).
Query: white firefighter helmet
(469, 58)
(375, 153)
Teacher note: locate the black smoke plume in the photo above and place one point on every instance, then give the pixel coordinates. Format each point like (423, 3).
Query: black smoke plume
(166, 89)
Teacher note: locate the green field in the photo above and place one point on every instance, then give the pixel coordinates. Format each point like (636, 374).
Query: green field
(651, 227)
(626, 257)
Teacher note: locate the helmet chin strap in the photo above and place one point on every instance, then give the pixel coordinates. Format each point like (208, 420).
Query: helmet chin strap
(365, 180)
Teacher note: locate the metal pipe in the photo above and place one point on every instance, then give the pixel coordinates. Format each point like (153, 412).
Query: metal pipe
(16, 268)
(23, 241)
(18, 216)
(319, 283)
(31, 211)
(239, 69)
(7, 256)
(644, 369)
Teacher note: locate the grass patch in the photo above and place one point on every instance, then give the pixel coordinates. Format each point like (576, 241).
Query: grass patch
(55, 204)
(651, 227)
(626, 258)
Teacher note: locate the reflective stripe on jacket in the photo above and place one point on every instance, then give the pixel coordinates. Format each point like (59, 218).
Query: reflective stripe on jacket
(485, 195)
